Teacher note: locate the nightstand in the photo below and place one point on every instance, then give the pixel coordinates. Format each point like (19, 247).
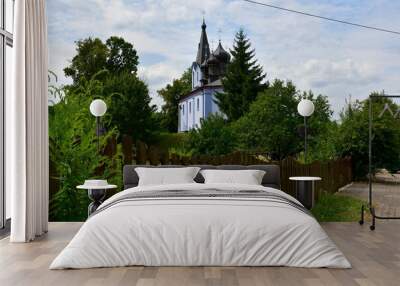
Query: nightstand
(96, 191)
(305, 188)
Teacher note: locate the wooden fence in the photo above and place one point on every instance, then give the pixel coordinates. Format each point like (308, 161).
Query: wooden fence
(335, 174)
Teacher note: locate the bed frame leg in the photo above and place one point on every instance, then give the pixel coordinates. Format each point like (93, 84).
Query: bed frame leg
(361, 221)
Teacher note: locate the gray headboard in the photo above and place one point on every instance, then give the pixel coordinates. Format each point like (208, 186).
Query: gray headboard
(271, 178)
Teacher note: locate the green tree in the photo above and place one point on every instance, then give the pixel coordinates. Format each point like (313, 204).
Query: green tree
(353, 136)
(114, 64)
(130, 108)
(243, 79)
(272, 122)
(171, 95)
(322, 130)
(122, 57)
(215, 137)
(92, 56)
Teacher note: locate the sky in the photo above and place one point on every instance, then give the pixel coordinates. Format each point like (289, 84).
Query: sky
(328, 58)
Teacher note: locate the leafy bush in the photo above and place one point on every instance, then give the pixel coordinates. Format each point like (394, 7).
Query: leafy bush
(352, 138)
(166, 141)
(272, 121)
(273, 124)
(323, 147)
(73, 152)
(215, 137)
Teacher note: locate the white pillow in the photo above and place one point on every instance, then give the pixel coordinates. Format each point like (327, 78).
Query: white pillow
(247, 177)
(166, 176)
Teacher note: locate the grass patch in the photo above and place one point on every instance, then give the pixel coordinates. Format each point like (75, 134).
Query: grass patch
(337, 208)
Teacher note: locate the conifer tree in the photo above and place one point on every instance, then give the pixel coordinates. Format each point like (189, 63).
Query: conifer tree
(243, 79)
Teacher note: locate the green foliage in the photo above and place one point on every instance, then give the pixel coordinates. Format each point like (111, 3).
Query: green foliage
(323, 132)
(271, 124)
(353, 136)
(166, 141)
(73, 152)
(130, 109)
(114, 64)
(171, 95)
(337, 208)
(122, 57)
(242, 81)
(215, 137)
(92, 56)
(323, 147)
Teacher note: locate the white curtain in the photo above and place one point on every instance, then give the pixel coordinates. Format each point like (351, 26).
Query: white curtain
(27, 173)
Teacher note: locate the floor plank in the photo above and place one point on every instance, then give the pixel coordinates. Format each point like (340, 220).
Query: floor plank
(375, 257)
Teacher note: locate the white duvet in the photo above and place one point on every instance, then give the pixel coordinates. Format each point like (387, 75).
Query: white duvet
(202, 232)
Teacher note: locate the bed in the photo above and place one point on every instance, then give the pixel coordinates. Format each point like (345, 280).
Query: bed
(201, 224)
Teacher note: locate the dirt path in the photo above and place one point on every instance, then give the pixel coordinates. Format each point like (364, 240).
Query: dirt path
(385, 197)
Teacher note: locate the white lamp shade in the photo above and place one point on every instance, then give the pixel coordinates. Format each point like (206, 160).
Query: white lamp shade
(305, 107)
(98, 107)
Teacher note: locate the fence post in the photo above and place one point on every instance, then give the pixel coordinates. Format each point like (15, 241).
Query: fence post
(127, 149)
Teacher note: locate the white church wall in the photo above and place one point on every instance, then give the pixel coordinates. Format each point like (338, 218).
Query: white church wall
(196, 76)
(198, 112)
(183, 124)
(190, 113)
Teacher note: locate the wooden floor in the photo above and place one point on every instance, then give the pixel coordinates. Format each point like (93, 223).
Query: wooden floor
(375, 257)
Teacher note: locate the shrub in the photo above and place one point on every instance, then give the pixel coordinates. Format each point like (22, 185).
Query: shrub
(73, 153)
(215, 137)
(352, 138)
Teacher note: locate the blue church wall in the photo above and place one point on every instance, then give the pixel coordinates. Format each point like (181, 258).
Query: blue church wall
(195, 107)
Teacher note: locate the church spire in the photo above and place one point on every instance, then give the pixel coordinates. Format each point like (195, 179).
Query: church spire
(204, 48)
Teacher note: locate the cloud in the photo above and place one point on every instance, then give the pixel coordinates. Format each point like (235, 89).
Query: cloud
(323, 73)
(329, 58)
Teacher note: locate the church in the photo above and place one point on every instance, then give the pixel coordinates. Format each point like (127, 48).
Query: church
(207, 71)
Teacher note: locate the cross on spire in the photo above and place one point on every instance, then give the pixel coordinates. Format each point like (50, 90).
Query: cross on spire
(219, 34)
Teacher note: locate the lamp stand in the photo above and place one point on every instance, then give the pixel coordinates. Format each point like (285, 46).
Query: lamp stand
(98, 133)
(305, 139)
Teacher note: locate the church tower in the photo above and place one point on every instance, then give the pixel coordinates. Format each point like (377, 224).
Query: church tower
(199, 73)
(207, 72)
(209, 67)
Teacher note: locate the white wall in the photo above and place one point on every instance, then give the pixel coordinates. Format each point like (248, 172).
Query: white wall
(196, 76)
(183, 124)
(198, 101)
(190, 113)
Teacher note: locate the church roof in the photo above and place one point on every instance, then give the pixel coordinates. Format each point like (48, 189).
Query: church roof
(213, 85)
(216, 83)
(221, 54)
(210, 60)
(203, 51)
